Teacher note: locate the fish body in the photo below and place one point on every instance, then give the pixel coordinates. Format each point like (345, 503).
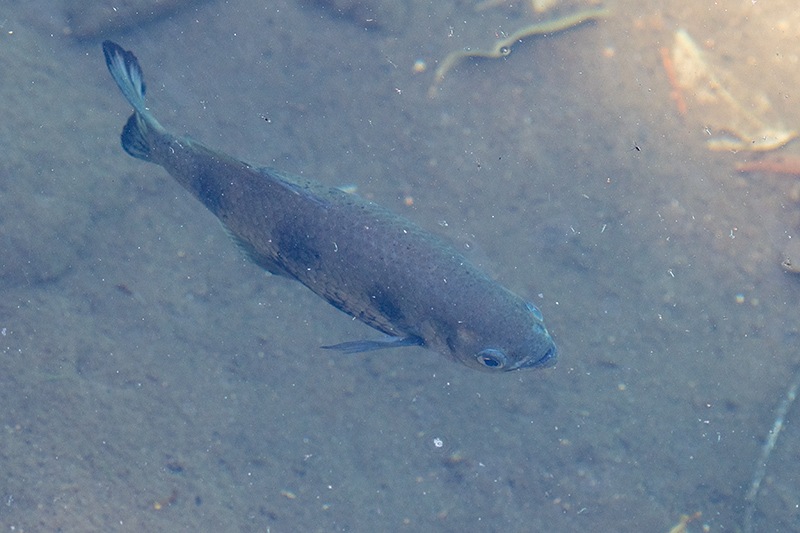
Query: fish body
(363, 259)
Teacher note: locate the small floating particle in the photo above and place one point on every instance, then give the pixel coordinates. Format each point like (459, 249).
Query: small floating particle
(790, 257)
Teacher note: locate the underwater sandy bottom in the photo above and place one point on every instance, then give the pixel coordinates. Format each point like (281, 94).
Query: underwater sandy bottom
(152, 380)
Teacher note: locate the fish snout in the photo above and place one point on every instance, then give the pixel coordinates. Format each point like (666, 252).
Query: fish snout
(549, 359)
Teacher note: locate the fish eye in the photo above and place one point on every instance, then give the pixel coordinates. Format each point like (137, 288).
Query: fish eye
(491, 358)
(535, 310)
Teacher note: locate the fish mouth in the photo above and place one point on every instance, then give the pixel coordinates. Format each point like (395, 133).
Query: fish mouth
(548, 360)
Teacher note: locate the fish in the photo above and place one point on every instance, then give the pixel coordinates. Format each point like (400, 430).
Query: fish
(360, 257)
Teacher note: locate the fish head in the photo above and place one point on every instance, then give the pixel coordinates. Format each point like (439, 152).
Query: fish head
(516, 340)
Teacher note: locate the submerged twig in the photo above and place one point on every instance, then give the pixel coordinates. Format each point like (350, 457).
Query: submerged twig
(761, 468)
(502, 47)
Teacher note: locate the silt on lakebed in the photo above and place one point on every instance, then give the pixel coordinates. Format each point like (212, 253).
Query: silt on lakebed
(361, 258)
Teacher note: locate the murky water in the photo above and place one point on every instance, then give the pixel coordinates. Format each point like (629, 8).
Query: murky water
(153, 380)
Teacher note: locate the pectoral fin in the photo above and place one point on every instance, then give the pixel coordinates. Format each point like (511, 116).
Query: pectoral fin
(249, 252)
(368, 346)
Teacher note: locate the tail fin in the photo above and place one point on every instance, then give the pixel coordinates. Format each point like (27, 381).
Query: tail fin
(125, 69)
